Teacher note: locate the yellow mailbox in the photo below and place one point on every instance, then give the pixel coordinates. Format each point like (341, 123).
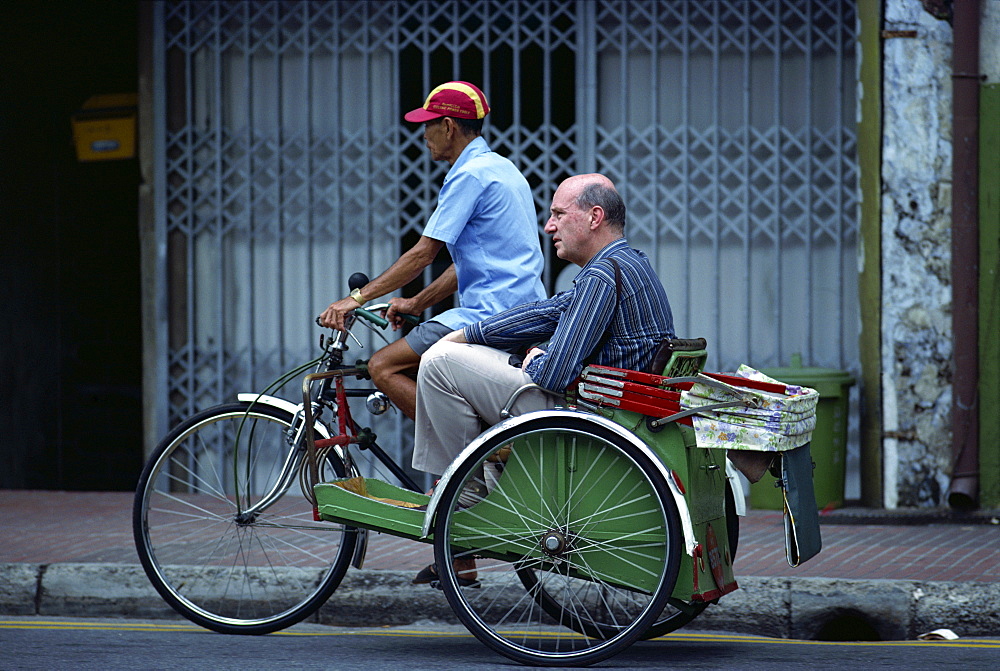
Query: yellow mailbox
(104, 128)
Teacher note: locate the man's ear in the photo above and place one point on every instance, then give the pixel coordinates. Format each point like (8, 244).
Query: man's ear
(596, 216)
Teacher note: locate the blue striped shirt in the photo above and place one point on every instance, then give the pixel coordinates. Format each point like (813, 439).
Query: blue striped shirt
(575, 321)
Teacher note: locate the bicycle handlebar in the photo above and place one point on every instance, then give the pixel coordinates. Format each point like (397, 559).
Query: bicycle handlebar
(381, 322)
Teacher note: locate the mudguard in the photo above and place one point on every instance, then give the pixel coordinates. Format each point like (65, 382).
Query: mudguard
(361, 548)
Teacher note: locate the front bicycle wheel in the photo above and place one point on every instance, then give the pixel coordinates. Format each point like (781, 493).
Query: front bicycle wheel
(579, 516)
(222, 527)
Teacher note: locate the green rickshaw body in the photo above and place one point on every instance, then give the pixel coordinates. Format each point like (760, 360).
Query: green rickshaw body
(570, 466)
(707, 573)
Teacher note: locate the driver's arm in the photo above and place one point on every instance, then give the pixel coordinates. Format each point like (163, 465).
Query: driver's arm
(443, 286)
(404, 270)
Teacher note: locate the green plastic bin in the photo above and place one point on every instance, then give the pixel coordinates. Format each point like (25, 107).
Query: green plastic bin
(829, 440)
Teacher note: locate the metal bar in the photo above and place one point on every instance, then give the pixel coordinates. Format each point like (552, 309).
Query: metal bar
(251, 189)
(587, 91)
(279, 161)
(687, 270)
(776, 84)
(839, 158)
(806, 216)
(191, 225)
(623, 115)
(159, 385)
(337, 124)
(215, 131)
(369, 170)
(308, 53)
(307, 416)
(716, 312)
(657, 133)
(646, 21)
(694, 411)
(747, 187)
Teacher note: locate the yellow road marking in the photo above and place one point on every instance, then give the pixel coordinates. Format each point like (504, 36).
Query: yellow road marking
(423, 633)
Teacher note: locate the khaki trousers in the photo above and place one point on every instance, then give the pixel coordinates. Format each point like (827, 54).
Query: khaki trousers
(461, 389)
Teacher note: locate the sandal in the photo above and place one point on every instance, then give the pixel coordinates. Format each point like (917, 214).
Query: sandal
(428, 575)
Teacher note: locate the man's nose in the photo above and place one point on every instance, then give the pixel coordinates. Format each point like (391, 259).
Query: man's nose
(549, 227)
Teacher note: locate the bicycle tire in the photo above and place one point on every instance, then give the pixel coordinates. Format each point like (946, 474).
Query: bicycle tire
(213, 563)
(680, 613)
(577, 505)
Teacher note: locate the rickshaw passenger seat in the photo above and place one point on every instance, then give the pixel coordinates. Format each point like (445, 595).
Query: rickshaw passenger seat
(679, 357)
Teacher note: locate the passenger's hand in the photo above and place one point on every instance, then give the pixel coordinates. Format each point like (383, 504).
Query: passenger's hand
(333, 316)
(400, 306)
(532, 353)
(456, 336)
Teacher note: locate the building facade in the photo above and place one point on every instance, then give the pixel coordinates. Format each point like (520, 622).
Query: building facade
(277, 164)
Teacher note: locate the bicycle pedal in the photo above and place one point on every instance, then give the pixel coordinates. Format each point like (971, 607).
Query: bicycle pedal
(436, 584)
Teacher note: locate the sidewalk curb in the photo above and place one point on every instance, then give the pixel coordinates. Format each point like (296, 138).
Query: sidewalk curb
(800, 608)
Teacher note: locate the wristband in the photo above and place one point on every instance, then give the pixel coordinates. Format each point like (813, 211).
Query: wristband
(356, 295)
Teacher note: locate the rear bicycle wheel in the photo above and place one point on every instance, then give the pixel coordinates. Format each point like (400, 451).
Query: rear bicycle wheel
(680, 613)
(212, 552)
(582, 518)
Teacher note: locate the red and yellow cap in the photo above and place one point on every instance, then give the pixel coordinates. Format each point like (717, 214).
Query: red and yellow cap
(456, 99)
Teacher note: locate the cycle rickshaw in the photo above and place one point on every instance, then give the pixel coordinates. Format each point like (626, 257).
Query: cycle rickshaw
(608, 519)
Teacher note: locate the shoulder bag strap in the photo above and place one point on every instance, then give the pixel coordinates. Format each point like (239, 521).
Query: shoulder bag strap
(607, 332)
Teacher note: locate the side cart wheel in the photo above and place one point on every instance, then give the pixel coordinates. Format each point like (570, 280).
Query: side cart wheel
(680, 613)
(210, 542)
(575, 513)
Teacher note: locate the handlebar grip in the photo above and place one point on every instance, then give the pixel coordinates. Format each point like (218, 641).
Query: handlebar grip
(382, 322)
(372, 317)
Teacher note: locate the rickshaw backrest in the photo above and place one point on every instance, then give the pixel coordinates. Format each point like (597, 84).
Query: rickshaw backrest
(679, 357)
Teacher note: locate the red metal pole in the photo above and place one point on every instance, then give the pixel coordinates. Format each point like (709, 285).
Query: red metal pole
(964, 489)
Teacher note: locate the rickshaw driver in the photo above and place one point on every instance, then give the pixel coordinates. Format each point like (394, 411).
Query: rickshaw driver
(611, 317)
(485, 215)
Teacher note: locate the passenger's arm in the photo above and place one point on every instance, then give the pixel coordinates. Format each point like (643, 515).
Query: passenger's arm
(578, 332)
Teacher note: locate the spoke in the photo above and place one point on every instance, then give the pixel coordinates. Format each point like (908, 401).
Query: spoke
(211, 490)
(212, 463)
(511, 488)
(298, 548)
(206, 514)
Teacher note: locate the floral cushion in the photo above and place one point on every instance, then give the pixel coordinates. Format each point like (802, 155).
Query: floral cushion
(776, 418)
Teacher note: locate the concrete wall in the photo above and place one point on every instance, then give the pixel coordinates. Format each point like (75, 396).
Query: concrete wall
(916, 248)
(916, 263)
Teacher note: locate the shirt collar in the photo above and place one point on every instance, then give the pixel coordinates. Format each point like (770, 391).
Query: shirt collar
(472, 150)
(607, 251)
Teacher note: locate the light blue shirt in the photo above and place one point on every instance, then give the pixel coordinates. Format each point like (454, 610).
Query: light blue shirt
(486, 216)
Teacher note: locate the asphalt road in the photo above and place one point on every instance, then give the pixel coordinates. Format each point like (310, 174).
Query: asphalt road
(75, 643)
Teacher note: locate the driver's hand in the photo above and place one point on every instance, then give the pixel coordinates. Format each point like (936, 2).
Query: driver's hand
(397, 307)
(333, 316)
